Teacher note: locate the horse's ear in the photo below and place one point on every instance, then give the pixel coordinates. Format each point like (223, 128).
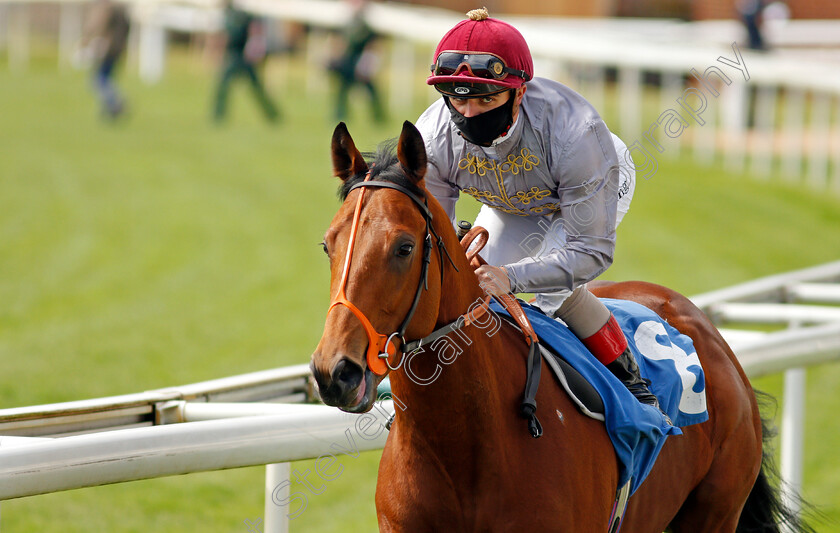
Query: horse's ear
(346, 158)
(412, 152)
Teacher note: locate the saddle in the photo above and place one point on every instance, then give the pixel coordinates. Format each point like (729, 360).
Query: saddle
(581, 391)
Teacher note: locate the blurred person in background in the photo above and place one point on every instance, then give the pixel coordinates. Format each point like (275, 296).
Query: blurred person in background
(753, 14)
(554, 181)
(750, 12)
(245, 47)
(104, 40)
(357, 63)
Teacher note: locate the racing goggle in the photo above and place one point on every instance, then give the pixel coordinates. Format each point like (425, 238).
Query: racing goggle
(486, 66)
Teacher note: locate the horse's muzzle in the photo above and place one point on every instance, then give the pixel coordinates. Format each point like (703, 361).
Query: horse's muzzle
(345, 387)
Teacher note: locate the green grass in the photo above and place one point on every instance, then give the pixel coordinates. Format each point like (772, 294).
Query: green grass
(163, 250)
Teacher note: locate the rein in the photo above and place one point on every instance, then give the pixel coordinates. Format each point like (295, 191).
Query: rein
(528, 407)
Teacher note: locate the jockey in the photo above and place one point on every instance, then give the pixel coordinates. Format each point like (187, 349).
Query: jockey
(554, 181)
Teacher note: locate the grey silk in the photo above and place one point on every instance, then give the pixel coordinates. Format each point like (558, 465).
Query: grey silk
(558, 167)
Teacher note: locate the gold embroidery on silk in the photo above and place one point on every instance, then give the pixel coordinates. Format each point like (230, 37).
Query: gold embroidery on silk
(514, 164)
(534, 194)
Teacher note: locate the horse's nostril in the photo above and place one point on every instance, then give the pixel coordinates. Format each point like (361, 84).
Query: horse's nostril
(347, 374)
(319, 376)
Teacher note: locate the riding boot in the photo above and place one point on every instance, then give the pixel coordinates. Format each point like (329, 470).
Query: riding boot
(609, 346)
(627, 371)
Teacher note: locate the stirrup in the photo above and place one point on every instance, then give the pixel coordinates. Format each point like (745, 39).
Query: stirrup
(647, 394)
(641, 391)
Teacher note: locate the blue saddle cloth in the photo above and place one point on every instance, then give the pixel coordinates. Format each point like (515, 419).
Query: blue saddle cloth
(665, 356)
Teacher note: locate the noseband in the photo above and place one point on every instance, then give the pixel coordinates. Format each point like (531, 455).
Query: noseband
(382, 347)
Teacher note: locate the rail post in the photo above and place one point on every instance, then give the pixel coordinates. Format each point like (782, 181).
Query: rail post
(276, 520)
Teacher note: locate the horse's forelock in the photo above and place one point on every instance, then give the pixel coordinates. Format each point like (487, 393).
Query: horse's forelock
(384, 166)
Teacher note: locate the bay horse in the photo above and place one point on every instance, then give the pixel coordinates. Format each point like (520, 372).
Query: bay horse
(458, 457)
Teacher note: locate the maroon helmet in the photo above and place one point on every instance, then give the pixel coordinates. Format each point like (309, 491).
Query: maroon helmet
(480, 56)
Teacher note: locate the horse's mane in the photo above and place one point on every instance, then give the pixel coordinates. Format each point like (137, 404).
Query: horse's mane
(384, 166)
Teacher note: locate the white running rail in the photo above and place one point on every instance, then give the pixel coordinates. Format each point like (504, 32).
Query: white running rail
(231, 422)
(795, 90)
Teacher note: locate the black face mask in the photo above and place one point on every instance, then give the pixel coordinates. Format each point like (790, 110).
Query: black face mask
(484, 128)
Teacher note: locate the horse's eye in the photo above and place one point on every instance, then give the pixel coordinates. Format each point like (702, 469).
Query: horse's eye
(405, 250)
(324, 246)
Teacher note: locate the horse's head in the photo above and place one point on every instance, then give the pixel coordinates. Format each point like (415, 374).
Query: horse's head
(380, 250)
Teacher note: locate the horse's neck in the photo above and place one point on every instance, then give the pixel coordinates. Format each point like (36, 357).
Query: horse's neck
(457, 380)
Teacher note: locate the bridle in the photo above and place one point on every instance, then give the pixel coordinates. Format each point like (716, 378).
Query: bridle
(382, 347)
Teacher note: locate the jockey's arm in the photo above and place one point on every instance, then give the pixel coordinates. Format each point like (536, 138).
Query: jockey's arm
(587, 217)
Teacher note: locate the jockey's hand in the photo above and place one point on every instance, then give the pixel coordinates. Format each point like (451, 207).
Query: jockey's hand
(494, 280)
